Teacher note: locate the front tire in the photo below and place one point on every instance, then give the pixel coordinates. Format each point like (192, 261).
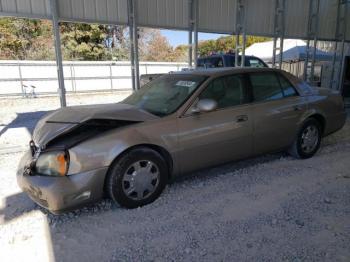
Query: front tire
(137, 178)
(308, 140)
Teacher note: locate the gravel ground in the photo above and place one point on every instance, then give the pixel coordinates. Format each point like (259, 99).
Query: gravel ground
(270, 208)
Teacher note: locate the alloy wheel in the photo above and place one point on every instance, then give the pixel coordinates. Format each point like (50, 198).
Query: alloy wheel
(140, 179)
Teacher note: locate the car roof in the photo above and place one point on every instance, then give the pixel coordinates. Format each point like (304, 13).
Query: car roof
(221, 55)
(225, 71)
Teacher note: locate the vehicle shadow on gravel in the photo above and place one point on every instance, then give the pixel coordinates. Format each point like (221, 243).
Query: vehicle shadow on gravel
(27, 120)
(17, 205)
(229, 167)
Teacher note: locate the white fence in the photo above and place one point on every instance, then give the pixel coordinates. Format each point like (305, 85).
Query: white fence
(79, 76)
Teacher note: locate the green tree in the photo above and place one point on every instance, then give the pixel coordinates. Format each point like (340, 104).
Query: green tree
(83, 41)
(225, 44)
(25, 39)
(33, 39)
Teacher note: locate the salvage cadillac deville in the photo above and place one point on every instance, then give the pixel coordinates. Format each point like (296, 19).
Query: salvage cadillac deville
(175, 124)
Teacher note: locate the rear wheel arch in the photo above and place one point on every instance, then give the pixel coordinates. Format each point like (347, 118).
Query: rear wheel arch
(299, 147)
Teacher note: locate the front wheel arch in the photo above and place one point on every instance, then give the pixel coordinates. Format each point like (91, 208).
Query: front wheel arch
(139, 180)
(321, 120)
(160, 150)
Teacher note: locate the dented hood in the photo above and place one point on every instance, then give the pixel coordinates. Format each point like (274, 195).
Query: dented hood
(65, 119)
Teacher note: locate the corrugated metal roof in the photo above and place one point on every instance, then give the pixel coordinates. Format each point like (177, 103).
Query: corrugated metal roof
(296, 18)
(25, 8)
(163, 13)
(260, 17)
(217, 16)
(328, 18)
(214, 16)
(98, 11)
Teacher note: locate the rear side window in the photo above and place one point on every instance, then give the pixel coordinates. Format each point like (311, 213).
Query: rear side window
(287, 87)
(265, 86)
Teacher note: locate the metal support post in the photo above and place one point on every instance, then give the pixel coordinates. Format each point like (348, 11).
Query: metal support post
(132, 43)
(279, 26)
(195, 31)
(20, 78)
(111, 75)
(333, 63)
(71, 76)
(315, 16)
(59, 65)
(243, 49)
(341, 61)
(190, 33)
(281, 53)
(312, 32)
(274, 52)
(136, 47)
(190, 49)
(239, 30)
(306, 62)
(339, 36)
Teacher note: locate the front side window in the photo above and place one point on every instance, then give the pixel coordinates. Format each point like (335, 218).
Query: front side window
(265, 86)
(164, 95)
(226, 91)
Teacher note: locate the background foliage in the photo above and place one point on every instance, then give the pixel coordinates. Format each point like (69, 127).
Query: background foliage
(32, 40)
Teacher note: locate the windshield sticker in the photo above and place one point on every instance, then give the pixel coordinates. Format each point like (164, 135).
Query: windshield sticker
(185, 83)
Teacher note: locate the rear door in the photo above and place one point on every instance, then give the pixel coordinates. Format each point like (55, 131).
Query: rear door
(225, 134)
(277, 111)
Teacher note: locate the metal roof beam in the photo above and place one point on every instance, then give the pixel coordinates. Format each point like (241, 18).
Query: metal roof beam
(56, 32)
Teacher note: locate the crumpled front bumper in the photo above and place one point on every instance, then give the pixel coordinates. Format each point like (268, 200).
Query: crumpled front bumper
(59, 194)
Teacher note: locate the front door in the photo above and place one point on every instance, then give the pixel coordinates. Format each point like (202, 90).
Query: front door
(222, 135)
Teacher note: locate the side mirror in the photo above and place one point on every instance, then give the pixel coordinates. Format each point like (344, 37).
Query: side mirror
(205, 105)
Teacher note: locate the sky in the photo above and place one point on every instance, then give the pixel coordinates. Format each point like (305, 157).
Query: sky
(181, 37)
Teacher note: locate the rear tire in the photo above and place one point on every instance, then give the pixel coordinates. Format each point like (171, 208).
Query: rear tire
(308, 140)
(137, 178)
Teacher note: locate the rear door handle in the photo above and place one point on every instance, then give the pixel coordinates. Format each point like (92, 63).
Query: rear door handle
(241, 118)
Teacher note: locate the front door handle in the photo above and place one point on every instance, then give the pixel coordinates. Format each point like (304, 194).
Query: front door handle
(241, 118)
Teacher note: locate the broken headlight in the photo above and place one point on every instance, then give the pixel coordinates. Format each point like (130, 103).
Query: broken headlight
(53, 163)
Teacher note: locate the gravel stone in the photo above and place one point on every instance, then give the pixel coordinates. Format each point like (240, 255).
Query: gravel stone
(268, 208)
(327, 200)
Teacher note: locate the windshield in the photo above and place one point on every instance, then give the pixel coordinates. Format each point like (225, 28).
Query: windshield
(166, 94)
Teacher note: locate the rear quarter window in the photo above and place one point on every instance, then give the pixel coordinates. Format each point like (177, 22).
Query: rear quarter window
(287, 87)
